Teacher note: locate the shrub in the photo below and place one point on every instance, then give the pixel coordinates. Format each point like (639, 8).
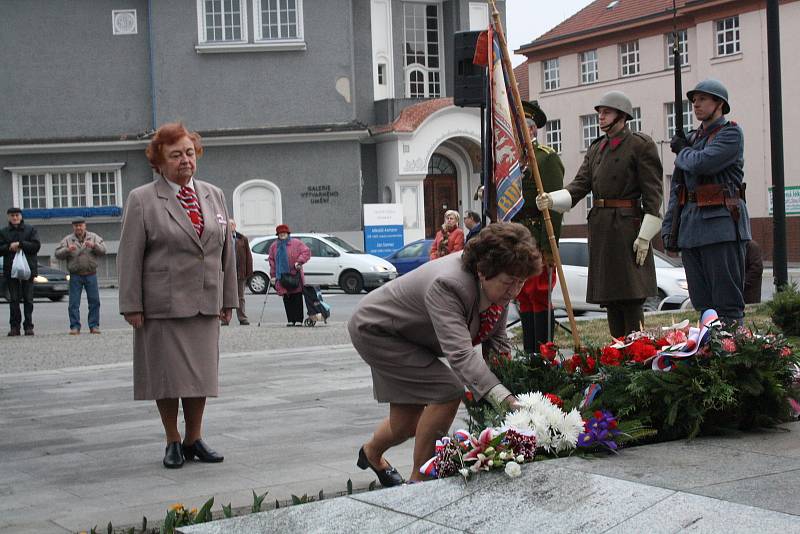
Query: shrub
(785, 310)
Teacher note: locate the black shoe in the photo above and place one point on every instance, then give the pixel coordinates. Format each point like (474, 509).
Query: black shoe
(173, 457)
(13, 332)
(223, 323)
(29, 332)
(244, 322)
(202, 452)
(387, 477)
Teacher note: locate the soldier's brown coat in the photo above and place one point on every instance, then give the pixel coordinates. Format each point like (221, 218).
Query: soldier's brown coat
(623, 167)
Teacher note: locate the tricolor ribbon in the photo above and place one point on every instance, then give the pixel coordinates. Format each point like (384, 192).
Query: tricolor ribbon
(589, 395)
(696, 338)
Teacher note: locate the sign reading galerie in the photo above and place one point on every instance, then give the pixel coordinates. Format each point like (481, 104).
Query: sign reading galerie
(383, 228)
(319, 194)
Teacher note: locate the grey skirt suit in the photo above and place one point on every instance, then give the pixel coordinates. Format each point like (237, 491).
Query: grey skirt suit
(180, 282)
(406, 328)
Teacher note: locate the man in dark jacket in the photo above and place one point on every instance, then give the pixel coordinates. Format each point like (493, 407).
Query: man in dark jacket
(13, 238)
(473, 223)
(244, 269)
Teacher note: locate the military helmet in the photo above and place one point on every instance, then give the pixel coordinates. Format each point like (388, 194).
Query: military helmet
(534, 112)
(616, 100)
(713, 88)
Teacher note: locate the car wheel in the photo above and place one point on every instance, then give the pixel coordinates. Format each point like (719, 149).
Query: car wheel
(351, 282)
(58, 298)
(651, 303)
(258, 283)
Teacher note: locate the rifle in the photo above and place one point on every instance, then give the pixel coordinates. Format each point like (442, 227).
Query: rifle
(677, 174)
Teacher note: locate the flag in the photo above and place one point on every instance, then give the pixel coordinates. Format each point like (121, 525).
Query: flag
(506, 169)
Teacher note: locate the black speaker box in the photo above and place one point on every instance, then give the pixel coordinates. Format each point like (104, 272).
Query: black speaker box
(469, 88)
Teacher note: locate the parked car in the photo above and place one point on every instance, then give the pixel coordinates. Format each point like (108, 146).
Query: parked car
(50, 283)
(411, 256)
(670, 276)
(334, 262)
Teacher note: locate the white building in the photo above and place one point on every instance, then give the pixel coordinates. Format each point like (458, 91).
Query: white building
(626, 45)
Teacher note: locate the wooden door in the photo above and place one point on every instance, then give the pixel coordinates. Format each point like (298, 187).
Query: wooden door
(441, 194)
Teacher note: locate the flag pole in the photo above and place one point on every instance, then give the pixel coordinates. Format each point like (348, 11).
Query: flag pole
(498, 27)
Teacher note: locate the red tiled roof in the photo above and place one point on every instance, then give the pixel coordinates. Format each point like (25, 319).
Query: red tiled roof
(411, 117)
(598, 14)
(521, 74)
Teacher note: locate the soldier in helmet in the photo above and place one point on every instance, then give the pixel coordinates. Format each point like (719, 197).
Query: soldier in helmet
(707, 205)
(535, 308)
(622, 171)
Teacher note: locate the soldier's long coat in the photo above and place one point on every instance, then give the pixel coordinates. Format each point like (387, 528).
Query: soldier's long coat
(625, 166)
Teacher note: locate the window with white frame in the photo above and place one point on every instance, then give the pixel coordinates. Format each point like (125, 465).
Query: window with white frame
(550, 74)
(629, 58)
(687, 117)
(552, 134)
(590, 129)
(588, 61)
(422, 50)
(222, 21)
(81, 186)
(683, 48)
(728, 36)
(635, 123)
(278, 20)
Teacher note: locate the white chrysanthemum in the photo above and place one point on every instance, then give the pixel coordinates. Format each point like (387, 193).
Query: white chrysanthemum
(573, 426)
(513, 469)
(518, 419)
(532, 401)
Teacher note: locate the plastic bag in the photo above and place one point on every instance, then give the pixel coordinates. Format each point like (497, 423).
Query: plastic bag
(20, 268)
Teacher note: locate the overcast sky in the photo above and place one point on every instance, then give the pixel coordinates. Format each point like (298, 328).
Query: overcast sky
(528, 19)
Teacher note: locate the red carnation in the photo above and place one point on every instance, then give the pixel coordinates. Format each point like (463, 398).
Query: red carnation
(571, 364)
(548, 350)
(641, 350)
(590, 365)
(469, 396)
(555, 399)
(611, 357)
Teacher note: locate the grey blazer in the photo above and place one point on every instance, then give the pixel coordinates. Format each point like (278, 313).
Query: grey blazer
(165, 270)
(435, 307)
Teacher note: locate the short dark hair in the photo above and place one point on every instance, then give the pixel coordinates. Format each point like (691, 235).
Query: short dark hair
(472, 215)
(502, 248)
(13, 209)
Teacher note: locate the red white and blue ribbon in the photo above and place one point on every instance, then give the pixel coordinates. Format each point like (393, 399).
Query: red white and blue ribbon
(589, 395)
(696, 338)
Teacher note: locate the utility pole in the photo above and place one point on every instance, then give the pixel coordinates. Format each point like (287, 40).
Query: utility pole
(779, 267)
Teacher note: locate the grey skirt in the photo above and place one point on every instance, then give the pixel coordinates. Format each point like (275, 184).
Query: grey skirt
(405, 373)
(175, 358)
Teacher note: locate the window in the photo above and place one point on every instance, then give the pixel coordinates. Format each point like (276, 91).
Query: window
(421, 50)
(60, 188)
(683, 48)
(687, 117)
(590, 129)
(550, 74)
(588, 61)
(222, 21)
(636, 122)
(574, 253)
(278, 20)
(629, 58)
(381, 73)
(728, 36)
(552, 135)
(441, 165)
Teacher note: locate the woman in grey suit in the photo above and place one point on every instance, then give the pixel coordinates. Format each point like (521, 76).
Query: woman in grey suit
(177, 280)
(443, 309)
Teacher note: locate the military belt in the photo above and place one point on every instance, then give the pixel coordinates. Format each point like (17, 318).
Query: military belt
(616, 203)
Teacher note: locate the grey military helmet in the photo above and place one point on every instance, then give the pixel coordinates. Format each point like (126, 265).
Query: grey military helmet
(713, 88)
(616, 100)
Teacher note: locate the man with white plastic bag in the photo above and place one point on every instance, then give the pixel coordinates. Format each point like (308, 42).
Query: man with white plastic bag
(15, 238)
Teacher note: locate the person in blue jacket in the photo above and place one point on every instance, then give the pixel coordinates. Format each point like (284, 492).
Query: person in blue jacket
(707, 205)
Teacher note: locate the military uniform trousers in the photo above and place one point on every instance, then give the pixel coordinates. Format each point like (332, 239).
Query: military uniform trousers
(714, 282)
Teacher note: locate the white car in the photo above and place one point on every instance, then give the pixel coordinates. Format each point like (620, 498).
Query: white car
(334, 262)
(670, 277)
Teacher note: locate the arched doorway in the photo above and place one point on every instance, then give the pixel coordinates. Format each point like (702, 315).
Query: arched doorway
(440, 192)
(257, 207)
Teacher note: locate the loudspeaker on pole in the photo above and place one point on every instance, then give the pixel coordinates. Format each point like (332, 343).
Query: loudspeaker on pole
(470, 79)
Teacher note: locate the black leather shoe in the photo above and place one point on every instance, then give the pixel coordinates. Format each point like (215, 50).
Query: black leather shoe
(173, 457)
(202, 452)
(387, 477)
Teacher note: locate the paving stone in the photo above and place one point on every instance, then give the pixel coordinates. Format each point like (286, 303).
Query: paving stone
(779, 492)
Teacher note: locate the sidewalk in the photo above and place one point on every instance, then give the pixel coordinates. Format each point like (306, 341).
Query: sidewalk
(76, 451)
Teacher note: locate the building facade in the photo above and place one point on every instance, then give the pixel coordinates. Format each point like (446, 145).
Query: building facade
(308, 109)
(627, 46)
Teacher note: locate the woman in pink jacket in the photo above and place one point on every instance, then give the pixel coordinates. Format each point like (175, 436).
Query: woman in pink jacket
(286, 258)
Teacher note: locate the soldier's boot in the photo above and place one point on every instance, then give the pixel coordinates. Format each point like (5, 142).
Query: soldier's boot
(634, 317)
(528, 333)
(616, 320)
(544, 327)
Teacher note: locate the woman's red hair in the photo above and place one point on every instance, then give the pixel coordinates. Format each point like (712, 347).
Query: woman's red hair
(168, 134)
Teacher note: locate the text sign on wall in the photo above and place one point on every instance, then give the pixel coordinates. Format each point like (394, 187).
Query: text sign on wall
(791, 194)
(383, 228)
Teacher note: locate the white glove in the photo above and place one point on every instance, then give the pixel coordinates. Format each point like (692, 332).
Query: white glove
(651, 225)
(560, 201)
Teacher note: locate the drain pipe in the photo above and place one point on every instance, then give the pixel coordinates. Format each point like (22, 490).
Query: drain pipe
(152, 65)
